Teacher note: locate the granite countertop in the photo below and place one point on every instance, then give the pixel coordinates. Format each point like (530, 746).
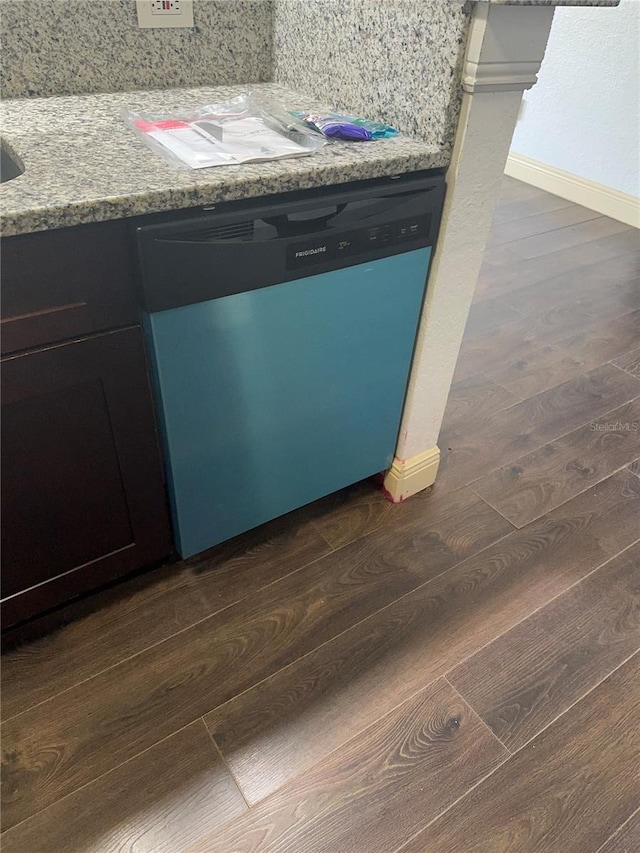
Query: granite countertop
(83, 164)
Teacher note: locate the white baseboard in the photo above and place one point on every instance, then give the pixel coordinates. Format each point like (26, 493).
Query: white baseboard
(625, 208)
(407, 477)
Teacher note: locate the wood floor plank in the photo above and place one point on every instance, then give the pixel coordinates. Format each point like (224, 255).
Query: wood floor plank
(376, 791)
(530, 226)
(511, 189)
(607, 288)
(474, 399)
(510, 210)
(497, 280)
(565, 791)
(540, 481)
(281, 727)
(470, 450)
(70, 740)
(630, 362)
(243, 565)
(553, 322)
(529, 676)
(101, 632)
(477, 357)
(520, 340)
(626, 839)
(488, 315)
(163, 801)
(553, 364)
(370, 510)
(561, 239)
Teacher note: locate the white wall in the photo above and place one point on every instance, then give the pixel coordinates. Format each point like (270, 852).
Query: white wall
(583, 115)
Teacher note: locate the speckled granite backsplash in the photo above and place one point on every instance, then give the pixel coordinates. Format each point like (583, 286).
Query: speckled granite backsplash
(395, 60)
(66, 47)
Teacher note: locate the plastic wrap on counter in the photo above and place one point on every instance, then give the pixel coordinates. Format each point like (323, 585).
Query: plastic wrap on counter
(352, 128)
(241, 130)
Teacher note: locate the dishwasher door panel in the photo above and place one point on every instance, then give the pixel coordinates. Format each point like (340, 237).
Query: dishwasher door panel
(272, 398)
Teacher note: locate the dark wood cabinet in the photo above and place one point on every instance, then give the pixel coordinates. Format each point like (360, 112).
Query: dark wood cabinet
(61, 284)
(83, 497)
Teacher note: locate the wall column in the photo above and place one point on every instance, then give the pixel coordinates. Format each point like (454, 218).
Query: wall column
(505, 47)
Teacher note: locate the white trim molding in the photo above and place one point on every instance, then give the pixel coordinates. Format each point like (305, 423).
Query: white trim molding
(625, 208)
(505, 48)
(500, 76)
(407, 477)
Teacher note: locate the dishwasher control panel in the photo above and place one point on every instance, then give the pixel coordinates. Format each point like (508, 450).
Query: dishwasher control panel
(257, 243)
(319, 248)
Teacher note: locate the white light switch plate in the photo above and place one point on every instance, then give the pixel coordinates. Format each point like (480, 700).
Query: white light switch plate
(164, 13)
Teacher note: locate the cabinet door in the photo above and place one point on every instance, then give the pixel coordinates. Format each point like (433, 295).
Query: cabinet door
(83, 497)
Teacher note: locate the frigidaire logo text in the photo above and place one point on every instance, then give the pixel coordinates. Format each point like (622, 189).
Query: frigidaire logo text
(305, 252)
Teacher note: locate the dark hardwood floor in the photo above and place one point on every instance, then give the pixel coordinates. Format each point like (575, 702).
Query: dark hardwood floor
(455, 674)
(568, 790)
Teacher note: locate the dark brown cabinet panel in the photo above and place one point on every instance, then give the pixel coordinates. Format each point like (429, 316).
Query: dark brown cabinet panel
(55, 441)
(83, 498)
(62, 284)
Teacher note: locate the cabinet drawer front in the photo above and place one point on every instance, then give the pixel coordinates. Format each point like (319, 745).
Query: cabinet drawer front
(61, 284)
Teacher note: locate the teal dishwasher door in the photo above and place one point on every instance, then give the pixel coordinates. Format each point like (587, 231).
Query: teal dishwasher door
(272, 398)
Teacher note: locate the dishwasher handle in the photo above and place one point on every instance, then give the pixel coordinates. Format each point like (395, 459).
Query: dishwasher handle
(287, 225)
